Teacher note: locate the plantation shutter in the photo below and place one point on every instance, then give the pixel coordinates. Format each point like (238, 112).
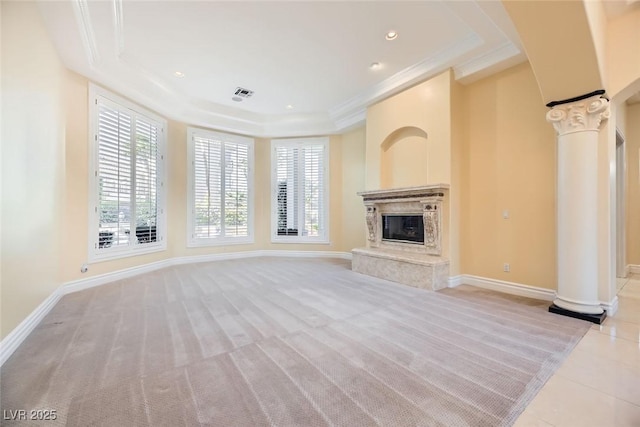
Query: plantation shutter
(207, 183)
(114, 176)
(146, 180)
(313, 190)
(221, 188)
(288, 196)
(127, 173)
(236, 189)
(300, 190)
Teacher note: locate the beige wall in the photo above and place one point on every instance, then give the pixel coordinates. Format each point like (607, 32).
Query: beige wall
(33, 162)
(459, 193)
(623, 52)
(425, 107)
(353, 172)
(633, 184)
(510, 161)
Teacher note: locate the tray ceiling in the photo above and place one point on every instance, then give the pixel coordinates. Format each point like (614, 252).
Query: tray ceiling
(307, 63)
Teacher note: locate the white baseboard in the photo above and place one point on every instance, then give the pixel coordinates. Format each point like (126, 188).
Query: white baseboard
(455, 280)
(12, 341)
(611, 307)
(633, 268)
(90, 282)
(306, 254)
(101, 279)
(508, 287)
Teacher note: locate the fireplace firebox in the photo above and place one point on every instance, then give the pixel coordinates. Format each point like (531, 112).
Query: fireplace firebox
(403, 228)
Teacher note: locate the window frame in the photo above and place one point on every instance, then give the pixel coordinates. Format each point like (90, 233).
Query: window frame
(192, 240)
(324, 237)
(95, 254)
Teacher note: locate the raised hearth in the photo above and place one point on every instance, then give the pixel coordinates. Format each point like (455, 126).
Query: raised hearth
(405, 235)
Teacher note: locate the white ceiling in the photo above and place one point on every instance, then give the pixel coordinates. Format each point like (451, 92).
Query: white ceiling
(313, 55)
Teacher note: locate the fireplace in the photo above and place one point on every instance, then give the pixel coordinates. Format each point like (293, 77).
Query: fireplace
(405, 234)
(403, 228)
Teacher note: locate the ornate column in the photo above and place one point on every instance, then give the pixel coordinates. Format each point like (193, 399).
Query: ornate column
(577, 123)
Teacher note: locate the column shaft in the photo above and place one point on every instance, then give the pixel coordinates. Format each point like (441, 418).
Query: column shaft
(577, 122)
(578, 222)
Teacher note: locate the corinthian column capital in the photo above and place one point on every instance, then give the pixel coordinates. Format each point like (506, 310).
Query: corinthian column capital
(578, 116)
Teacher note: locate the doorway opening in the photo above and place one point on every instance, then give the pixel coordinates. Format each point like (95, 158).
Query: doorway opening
(620, 207)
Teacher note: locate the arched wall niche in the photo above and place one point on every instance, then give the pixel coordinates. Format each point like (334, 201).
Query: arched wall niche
(403, 158)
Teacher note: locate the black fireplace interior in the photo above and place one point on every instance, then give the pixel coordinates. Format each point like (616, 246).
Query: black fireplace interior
(404, 228)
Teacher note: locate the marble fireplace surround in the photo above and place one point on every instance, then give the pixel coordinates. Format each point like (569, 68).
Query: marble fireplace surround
(415, 264)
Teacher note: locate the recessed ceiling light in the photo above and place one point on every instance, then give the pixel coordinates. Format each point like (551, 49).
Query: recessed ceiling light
(237, 99)
(391, 35)
(289, 107)
(375, 66)
(178, 74)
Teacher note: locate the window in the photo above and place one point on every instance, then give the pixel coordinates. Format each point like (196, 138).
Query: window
(220, 188)
(300, 190)
(127, 178)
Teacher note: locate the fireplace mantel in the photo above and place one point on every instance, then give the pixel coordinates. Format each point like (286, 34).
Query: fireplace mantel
(386, 196)
(412, 261)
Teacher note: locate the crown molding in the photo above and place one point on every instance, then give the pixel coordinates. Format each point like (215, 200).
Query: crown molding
(485, 60)
(351, 120)
(118, 26)
(87, 34)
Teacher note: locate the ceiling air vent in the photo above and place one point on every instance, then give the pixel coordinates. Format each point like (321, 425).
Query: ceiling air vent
(243, 93)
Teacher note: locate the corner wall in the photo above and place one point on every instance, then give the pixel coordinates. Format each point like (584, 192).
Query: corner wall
(33, 141)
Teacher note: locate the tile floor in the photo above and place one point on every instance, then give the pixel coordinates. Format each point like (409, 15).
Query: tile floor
(599, 383)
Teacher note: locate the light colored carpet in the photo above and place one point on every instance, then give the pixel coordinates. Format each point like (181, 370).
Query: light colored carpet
(285, 342)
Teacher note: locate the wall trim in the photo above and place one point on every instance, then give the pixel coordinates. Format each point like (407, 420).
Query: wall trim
(633, 268)
(90, 282)
(610, 307)
(455, 280)
(101, 279)
(508, 287)
(12, 341)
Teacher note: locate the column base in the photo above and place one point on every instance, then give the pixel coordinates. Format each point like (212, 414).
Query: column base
(593, 318)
